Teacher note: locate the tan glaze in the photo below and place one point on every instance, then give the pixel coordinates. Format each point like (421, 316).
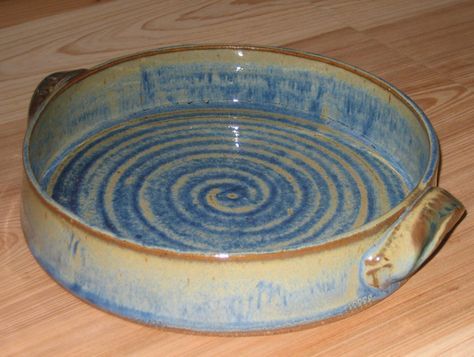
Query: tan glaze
(385, 269)
(413, 238)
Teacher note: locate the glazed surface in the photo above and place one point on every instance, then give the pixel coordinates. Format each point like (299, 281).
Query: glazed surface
(225, 181)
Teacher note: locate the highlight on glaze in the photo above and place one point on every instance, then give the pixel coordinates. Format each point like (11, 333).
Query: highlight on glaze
(230, 189)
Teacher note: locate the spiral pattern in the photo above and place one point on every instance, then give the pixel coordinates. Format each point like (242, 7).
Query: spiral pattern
(222, 181)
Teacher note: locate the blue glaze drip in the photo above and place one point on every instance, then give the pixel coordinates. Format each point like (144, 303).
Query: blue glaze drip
(271, 89)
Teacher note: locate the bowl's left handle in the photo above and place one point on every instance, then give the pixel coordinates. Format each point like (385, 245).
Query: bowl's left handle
(412, 239)
(49, 85)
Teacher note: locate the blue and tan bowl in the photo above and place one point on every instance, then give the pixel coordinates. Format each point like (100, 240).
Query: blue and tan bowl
(230, 189)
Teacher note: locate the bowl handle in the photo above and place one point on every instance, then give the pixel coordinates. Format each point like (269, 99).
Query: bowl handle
(49, 85)
(412, 239)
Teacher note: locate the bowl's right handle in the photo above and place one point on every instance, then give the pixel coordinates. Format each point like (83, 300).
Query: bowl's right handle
(412, 239)
(48, 85)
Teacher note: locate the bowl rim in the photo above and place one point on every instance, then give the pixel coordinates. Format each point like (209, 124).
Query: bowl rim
(429, 176)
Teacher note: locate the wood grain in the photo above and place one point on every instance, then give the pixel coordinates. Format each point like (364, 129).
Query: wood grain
(19, 11)
(424, 47)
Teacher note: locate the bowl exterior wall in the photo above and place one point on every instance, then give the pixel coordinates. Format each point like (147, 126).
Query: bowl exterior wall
(251, 294)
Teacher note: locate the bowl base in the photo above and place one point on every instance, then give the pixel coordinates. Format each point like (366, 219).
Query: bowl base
(233, 181)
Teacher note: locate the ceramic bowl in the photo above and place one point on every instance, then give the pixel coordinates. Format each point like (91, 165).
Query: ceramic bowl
(230, 189)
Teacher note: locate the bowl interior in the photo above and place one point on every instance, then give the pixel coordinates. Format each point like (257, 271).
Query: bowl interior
(228, 150)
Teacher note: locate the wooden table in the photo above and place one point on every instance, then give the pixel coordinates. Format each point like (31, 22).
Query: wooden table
(426, 48)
